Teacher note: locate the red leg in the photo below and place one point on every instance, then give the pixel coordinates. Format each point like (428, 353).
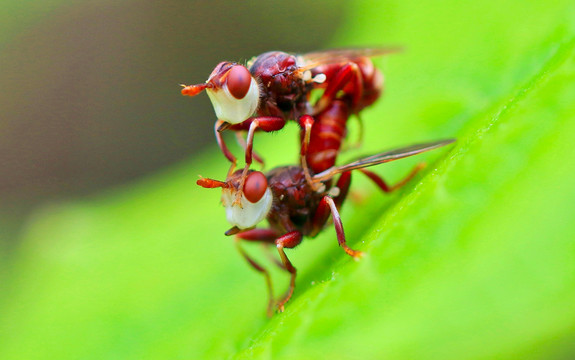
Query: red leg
(249, 145)
(327, 202)
(265, 123)
(259, 235)
(289, 240)
(306, 122)
(223, 147)
(323, 211)
(348, 74)
(387, 188)
(242, 142)
(267, 236)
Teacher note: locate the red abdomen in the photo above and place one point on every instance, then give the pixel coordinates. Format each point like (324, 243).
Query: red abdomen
(327, 133)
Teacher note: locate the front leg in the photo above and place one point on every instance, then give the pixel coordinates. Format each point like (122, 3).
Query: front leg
(223, 147)
(242, 142)
(306, 123)
(264, 123)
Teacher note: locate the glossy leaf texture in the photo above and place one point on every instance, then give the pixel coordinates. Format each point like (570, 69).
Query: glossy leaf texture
(474, 259)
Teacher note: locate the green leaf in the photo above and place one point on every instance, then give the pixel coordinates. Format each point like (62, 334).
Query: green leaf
(473, 259)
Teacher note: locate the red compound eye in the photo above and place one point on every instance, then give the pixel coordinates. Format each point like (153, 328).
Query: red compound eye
(239, 80)
(255, 186)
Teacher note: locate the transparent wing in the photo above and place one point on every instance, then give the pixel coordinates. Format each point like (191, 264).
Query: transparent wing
(381, 158)
(336, 56)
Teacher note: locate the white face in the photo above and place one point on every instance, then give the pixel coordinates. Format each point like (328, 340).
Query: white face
(248, 214)
(232, 110)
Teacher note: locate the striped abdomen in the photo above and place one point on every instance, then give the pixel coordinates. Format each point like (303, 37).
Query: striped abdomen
(327, 134)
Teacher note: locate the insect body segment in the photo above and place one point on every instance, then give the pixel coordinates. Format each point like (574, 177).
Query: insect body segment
(284, 91)
(326, 135)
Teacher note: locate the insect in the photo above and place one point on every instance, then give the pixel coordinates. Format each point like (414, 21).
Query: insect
(294, 208)
(278, 87)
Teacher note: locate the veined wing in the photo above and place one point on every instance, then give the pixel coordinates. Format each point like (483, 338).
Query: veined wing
(336, 56)
(381, 158)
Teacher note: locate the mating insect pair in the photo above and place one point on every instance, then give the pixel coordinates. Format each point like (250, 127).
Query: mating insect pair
(278, 87)
(296, 200)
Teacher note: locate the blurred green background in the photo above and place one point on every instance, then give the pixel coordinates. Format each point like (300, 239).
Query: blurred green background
(109, 250)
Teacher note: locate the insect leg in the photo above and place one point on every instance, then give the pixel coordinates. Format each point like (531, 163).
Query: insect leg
(339, 228)
(223, 147)
(242, 142)
(323, 210)
(389, 188)
(265, 123)
(289, 240)
(264, 235)
(306, 122)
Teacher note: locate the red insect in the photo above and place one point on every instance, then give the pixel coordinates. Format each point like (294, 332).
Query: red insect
(293, 206)
(277, 87)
